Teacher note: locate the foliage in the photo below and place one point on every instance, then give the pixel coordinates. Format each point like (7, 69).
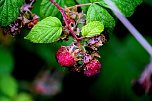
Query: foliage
(8, 82)
(9, 11)
(92, 29)
(127, 7)
(122, 60)
(48, 9)
(46, 32)
(97, 13)
(6, 61)
(94, 13)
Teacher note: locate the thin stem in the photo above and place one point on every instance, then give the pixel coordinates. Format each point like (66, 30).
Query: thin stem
(32, 2)
(130, 27)
(80, 5)
(65, 18)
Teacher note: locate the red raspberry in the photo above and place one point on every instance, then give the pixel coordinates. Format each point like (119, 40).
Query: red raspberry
(64, 57)
(60, 51)
(92, 68)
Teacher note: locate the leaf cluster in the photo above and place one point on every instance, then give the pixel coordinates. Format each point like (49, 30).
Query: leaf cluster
(49, 29)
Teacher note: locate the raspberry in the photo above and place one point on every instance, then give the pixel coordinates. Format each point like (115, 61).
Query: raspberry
(64, 57)
(92, 68)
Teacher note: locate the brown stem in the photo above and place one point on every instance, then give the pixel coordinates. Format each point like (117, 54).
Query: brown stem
(65, 18)
(80, 5)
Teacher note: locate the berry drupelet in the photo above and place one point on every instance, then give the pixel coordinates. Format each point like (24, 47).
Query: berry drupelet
(92, 68)
(64, 57)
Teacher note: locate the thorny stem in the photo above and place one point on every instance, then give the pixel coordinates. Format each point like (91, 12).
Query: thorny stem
(130, 27)
(65, 18)
(80, 5)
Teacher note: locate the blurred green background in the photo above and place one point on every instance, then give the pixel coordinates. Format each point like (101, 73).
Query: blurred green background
(123, 60)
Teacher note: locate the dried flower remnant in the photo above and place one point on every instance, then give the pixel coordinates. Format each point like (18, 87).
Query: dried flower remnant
(144, 84)
(13, 28)
(48, 83)
(26, 19)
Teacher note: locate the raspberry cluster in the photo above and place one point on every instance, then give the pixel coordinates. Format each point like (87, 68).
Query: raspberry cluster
(26, 19)
(80, 55)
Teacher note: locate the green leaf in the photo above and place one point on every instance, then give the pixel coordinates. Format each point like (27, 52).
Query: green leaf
(94, 0)
(24, 97)
(46, 31)
(127, 7)
(68, 3)
(9, 11)
(97, 13)
(84, 8)
(6, 61)
(8, 85)
(2, 2)
(92, 29)
(48, 9)
(2, 98)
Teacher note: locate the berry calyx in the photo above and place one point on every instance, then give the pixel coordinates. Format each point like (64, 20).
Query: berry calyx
(64, 57)
(92, 68)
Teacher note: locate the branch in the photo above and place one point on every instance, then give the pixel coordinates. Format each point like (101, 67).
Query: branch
(65, 18)
(80, 5)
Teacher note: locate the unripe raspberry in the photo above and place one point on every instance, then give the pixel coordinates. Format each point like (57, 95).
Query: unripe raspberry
(92, 68)
(64, 57)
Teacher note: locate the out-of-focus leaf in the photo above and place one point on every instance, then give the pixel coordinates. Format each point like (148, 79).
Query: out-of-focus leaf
(149, 2)
(47, 52)
(8, 85)
(92, 29)
(6, 61)
(47, 30)
(97, 13)
(2, 98)
(24, 97)
(9, 11)
(121, 64)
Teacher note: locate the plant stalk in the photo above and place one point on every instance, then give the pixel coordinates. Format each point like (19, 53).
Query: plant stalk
(80, 5)
(65, 18)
